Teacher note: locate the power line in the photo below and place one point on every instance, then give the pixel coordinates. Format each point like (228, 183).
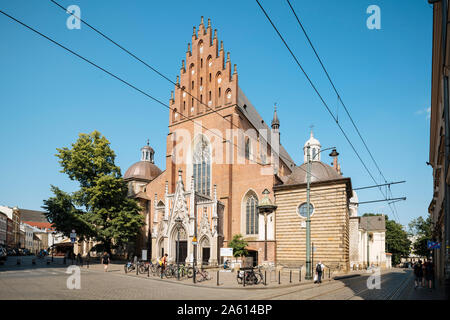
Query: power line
(131, 85)
(319, 95)
(334, 87)
(165, 77)
(157, 72)
(339, 98)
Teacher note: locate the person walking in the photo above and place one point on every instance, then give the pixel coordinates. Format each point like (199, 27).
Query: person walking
(418, 273)
(105, 261)
(429, 273)
(163, 264)
(319, 271)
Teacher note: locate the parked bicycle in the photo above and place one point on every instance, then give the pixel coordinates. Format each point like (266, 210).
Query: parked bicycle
(129, 267)
(251, 276)
(201, 275)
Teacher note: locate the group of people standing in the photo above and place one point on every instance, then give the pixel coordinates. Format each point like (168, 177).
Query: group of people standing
(424, 272)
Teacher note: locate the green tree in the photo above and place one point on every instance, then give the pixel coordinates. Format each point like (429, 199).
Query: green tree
(421, 230)
(397, 241)
(100, 209)
(239, 246)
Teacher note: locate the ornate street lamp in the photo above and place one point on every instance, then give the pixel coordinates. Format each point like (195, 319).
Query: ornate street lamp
(308, 275)
(179, 223)
(265, 207)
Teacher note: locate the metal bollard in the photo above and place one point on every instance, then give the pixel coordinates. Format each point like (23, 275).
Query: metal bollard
(148, 271)
(137, 269)
(87, 263)
(290, 276)
(217, 277)
(244, 278)
(329, 273)
(300, 275)
(265, 277)
(279, 276)
(125, 268)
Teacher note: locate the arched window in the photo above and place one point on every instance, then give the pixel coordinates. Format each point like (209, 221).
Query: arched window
(251, 213)
(247, 148)
(174, 115)
(202, 166)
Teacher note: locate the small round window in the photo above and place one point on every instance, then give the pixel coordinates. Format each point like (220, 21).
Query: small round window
(303, 208)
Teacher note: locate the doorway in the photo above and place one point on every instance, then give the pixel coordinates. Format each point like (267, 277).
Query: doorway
(205, 255)
(183, 251)
(254, 255)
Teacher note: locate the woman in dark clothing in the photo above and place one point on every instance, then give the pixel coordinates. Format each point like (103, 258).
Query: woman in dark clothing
(429, 273)
(418, 272)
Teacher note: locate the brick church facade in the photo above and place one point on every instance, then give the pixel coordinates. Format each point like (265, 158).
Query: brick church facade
(220, 157)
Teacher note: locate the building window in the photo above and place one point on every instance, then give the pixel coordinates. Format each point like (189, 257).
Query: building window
(247, 148)
(302, 210)
(202, 167)
(251, 214)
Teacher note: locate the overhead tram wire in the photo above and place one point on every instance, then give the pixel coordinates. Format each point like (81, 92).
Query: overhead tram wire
(134, 87)
(334, 88)
(163, 76)
(337, 94)
(155, 70)
(320, 97)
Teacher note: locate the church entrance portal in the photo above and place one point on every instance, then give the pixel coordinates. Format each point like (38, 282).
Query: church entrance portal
(205, 255)
(183, 251)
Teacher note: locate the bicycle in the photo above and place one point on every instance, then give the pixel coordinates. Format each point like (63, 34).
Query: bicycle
(251, 277)
(144, 266)
(201, 275)
(129, 267)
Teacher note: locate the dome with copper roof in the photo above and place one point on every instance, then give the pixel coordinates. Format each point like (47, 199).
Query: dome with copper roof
(145, 169)
(319, 172)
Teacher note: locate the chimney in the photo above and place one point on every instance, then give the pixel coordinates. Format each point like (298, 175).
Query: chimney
(335, 164)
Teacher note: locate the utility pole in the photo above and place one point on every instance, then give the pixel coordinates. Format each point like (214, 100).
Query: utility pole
(368, 257)
(308, 275)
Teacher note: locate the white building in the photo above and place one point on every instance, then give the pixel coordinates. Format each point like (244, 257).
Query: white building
(367, 239)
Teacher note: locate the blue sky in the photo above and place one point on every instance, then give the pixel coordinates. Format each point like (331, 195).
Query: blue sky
(47, 96)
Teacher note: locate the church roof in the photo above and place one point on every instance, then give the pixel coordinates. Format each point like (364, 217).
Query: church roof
(319, 172)
(32, 216)
(372, 223)
(142, 170)
(255, 119)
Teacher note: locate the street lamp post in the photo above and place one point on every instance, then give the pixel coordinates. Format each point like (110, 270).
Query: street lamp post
(53, 243)
(266, 207)
(308, 275)
(178, 221)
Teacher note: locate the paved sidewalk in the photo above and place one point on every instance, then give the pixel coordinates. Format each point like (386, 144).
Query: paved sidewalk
(227, 279)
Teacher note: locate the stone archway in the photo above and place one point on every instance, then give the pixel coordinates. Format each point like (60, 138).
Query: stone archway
(182, 245)
(205, 250)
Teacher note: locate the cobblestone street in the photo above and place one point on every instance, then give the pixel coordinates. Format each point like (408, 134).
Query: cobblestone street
(44, 282)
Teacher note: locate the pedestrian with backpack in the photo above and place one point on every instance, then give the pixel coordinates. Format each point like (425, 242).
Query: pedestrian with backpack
(429, 273)
(163, 264)
(319, 271)
(418, 273)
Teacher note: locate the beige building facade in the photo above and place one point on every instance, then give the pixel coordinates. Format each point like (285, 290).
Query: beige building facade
(439, 153)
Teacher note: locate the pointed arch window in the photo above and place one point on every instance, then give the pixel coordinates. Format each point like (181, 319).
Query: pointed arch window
(251, 214)
(202, 167)
(247, 148)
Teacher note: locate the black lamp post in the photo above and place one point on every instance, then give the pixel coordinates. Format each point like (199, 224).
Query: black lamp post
(178, 222)
(265, 207)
